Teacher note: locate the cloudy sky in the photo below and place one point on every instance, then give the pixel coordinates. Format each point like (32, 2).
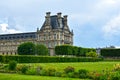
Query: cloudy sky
(96, 23)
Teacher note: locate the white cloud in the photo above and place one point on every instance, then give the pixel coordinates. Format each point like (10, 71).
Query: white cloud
(112, 27)
(117, 46)
(13, 31)
(4, 28)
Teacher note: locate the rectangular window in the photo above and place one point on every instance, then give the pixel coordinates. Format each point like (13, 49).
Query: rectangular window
(54, 36)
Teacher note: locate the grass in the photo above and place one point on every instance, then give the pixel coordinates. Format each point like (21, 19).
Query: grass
(91, 66)
(5, 76)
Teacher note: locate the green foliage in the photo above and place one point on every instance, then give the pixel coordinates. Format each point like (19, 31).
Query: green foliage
(73, 75)
(41, 50)
(117, 67)
(43, 72)
(24, 69)
(47, 59)
(51, 72)
(4, 76)
(83, 73)
(110, 52)
(83, 51)
(69, 69)
(72, 50)
(63, 50)
(27, 48)
(91, 54)
(12, 65)
(4, 67)
(115, 76)
(31, 71)
(58, 74)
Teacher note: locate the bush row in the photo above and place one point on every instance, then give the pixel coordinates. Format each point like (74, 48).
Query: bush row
(110, 52)
(46, 59)
(72, 50)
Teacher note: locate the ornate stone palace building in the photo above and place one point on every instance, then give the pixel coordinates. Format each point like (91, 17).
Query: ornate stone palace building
(54, 31)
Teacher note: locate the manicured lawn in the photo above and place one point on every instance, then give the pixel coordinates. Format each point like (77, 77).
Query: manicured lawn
(91, 66)
(5, 76)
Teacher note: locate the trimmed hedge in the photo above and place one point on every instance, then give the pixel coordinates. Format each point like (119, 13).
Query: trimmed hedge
(72, 50)
(46, 59)
(64, 50)
(110, 52)
(83, 51)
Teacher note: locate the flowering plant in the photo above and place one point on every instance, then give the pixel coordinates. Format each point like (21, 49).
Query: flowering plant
(117, 67)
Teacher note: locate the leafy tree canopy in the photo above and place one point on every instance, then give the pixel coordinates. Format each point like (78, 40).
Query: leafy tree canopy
(30, 48)
(27, 48)
(41, 49)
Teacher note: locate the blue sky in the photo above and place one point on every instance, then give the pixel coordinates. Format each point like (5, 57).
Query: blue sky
(96, 23)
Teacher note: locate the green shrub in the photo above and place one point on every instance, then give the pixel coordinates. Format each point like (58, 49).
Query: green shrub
(58, 74)
(4, 67)
(27, 48)
(30, 71)
(38, 69)
(110, 52)
(115, 76)
(24, 69)
(75, 50)
(73, 75)
(117, 67)
(83, 73)
(63, 50)
(43, 72)
(12, 65)
(72, 50)
(41, 49)
(51, 72)
(47, 59)
(69, 69)
(91, 54)
(70, 74)
(83, 51)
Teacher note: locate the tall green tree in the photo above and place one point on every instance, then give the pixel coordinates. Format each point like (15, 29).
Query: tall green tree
(27, 48)
(41, 50)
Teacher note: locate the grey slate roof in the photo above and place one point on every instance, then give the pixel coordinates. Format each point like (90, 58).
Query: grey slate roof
(18, 36)
(54, 22)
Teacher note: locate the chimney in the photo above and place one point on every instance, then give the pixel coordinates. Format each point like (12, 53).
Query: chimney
(48, 14)
(65, 20)
(60, 19)
(59, 15)
(47, 18)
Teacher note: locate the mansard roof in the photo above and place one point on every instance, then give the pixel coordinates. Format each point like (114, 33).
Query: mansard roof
(54, 22)
(18, 36)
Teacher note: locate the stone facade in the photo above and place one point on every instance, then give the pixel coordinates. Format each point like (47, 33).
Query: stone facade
(54, 31)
